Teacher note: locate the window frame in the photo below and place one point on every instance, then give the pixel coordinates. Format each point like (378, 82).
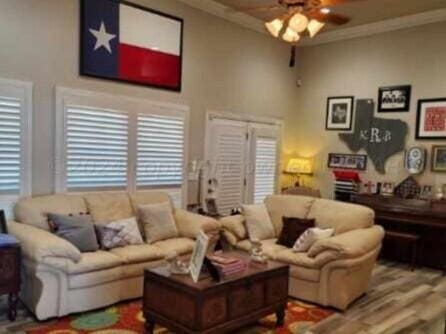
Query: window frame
(24, 91)
(133, 107)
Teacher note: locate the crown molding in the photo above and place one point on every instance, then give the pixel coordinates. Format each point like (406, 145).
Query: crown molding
(247, 21)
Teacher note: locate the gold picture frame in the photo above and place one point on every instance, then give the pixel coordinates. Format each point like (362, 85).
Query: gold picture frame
(438, 159)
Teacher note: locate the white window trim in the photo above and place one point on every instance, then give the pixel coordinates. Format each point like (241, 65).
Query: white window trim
(133, 106)
(26, 140)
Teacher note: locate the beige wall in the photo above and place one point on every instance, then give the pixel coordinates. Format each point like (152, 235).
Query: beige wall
(226, 67)
(358, 67)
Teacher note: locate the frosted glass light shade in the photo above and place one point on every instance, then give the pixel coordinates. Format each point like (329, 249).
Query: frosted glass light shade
(314, 27)
(290, 36)
(274, 27)
(298, 22)
(299, 166)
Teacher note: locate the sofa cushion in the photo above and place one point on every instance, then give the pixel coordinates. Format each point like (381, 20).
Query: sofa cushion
(258, 222)
(119, 233)
(303, 260)
(235, 225)
(149, 197)
(107, 207)
(85, 280)
(343, 217)
(287, 206)
(270, 247)
(310, 236)
(306, 274)
(158, 222)
(292, 229)
(33, 211)
(178, 245)
(138, 253)
(89, 262)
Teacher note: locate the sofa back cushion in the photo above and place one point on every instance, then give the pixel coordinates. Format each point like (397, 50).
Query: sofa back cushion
(280, 206)
(109, 206)
(343, 217)
(34, 211)
(147, 197)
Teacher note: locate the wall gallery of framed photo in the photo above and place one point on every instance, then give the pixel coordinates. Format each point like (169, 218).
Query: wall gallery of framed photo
(430, 126)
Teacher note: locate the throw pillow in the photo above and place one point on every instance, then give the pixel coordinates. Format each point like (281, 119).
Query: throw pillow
(292, 229)
(78, 230)
(310, 236)
(258, 222)
(158, 222)
(119, 233)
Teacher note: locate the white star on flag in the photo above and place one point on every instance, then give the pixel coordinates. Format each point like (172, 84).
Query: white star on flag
(102, 38)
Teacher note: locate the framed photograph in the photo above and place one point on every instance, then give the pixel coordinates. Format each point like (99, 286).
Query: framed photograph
(431, 119)
(394, 99)
(387, 188)
(126, 42)
(339, 113)
(439, 158)
(198, 255)
(347, 161)
(427, 192)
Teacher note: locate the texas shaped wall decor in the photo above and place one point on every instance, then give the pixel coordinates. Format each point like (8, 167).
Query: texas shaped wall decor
(381, 138)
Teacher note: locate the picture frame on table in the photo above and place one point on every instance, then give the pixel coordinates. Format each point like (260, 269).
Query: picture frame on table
(347, 161)
(438, 159)
(339, 113)
(387, 189)
(394, 98)
(427, 192)
(198, 255)
(431, 119)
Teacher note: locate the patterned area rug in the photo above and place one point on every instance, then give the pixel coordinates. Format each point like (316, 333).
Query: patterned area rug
(127, 318)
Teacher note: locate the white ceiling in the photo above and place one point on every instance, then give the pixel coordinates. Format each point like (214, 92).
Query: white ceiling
(360, 11)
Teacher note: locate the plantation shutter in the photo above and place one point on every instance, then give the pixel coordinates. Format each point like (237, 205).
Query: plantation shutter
(160, 151)
(96, 148)
(265, 168)
(10, 145)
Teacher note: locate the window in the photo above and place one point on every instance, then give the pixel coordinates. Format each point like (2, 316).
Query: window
(117, 143)
(265, 168)
(15, 141)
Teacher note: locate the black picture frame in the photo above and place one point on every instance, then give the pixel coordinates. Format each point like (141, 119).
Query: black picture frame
(407, 89)
(3, 226)
(85, 73)
(419, 122)
(361, 164)
(434, 154)
(331, 101)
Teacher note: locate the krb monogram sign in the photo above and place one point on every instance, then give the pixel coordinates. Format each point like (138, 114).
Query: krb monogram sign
(381, 138)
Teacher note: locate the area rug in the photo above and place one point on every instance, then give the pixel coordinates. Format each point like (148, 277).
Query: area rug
(127, 318)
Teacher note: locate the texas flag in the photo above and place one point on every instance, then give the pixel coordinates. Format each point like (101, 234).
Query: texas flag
(126, 42)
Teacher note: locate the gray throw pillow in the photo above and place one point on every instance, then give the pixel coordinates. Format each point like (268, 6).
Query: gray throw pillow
(77, 230)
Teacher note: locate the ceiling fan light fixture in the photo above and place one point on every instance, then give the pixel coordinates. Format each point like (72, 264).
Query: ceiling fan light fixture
(274, 27)
(314, 27)
(290, 36)
(325, 10)
(298, 22)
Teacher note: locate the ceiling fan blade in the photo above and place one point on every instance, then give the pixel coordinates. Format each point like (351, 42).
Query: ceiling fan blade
(328, 3)
(332, 18)
(254, 8)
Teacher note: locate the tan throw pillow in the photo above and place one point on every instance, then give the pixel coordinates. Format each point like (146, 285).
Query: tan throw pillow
(119, 233)
(258, 222)
(310, 236)
(158, 222)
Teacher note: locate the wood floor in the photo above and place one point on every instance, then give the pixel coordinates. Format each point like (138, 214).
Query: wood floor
(399, 301)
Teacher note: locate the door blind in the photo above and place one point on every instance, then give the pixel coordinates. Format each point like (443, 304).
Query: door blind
(97, 148)
(10, 144)
(265, 168)
(160, 151)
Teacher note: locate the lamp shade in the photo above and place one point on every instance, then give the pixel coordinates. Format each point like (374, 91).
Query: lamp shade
(290, 36)
(298, 22)
(299, 166)
(274, 27)
(314, 27)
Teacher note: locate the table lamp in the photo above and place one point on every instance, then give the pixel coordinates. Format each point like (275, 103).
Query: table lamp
(298, 167)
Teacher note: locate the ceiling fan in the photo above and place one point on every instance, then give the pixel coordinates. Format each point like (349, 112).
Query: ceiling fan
(301, 18)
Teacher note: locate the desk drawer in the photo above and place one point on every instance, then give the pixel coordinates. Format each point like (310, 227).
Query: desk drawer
(246, 298)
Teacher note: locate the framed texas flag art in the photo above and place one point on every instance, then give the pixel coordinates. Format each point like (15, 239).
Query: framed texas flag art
(127, 42)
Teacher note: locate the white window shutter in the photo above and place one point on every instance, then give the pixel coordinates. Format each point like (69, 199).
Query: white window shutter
(160, 151)
(10, 145)
(265, 168)
(96, 148)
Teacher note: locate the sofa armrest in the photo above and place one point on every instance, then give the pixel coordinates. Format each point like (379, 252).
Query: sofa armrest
(350, 244)
(235, 225)
(38, 244)
(190, 224)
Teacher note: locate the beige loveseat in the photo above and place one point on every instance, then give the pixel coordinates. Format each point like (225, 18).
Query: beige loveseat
(59, 280)
(334, 271)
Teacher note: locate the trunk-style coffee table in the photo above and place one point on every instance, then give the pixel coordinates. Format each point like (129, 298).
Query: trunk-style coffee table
(179, 304)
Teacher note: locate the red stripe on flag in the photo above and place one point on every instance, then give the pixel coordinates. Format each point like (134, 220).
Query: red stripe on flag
(148, 66)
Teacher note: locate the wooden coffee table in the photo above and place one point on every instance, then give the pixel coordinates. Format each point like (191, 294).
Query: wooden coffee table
(179, 304)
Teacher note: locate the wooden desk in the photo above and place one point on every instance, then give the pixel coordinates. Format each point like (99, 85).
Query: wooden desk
(422, 217)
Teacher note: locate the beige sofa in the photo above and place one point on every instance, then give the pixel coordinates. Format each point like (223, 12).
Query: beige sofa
(59, 280)
(335, 271)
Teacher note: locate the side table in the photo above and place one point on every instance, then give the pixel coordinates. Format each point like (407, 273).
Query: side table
(10, 276)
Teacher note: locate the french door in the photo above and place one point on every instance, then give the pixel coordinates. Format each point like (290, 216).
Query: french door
(243, 162)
